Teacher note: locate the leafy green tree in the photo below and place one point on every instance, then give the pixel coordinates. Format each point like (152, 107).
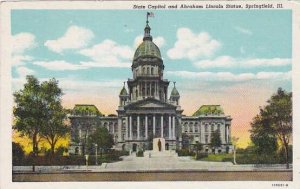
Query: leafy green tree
(274, 120)
(216, 139)
(38, 112)
(262, 135)
(102, 138)
(279, 111)
(28, 113)
(54, 127)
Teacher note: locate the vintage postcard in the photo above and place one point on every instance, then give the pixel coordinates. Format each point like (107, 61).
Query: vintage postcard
(146, 94)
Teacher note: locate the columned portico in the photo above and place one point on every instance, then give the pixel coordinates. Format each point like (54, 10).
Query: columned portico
(137, 126)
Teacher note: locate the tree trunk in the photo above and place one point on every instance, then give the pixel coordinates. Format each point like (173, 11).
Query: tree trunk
(52, 149)
(286, 147)
(35, 145)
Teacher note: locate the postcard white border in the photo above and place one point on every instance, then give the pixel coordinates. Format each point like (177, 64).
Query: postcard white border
(6, 100)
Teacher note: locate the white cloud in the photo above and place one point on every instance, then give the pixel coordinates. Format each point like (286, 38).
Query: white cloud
(108, 54)
(18, 60)
(243, 30)
(59, 65)
(75, 38)
(22, 42)
(230, 77)
(228, 61)
(71, 84)
(105, 54)
(159, 41)
(193, 46)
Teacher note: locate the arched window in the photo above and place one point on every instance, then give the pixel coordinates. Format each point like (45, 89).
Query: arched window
(144, 70)
(151, 71)
(148, 71)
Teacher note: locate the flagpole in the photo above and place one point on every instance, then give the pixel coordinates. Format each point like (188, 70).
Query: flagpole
(147, 17)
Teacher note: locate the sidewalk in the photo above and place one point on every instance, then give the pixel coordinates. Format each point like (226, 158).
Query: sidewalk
(155, 162)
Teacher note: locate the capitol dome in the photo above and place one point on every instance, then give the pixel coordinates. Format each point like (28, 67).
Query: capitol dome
(147, 48)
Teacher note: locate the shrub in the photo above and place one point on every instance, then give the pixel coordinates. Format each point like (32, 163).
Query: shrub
(201, 155)
(185, 152)
(140, 153)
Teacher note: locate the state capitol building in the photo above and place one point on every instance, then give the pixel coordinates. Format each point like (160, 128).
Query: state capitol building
(146, 112)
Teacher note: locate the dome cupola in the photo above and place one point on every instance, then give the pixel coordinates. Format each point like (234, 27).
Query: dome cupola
(147, 48)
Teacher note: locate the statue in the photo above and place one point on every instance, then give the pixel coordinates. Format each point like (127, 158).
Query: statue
(159, 145)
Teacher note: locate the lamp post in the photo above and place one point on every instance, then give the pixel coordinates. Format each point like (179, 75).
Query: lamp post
(96, 146)
(86, 161)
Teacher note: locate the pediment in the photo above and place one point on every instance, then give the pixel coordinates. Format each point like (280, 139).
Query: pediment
(150, 103)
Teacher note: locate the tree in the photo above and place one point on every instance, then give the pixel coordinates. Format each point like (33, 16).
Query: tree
(28, 111)
(54, 127)
(274, 123)
(102, 138)
(279, 111)
(38, 112)
(215, 139)
(262, 136)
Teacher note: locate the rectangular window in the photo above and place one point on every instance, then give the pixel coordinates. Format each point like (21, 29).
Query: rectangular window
(206, 139)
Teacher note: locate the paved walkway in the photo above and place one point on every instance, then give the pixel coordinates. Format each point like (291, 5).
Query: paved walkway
(153, 161)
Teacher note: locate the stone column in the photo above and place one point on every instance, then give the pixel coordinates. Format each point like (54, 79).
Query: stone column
(126, 127)
(153, 126)
(119, 129)
(130, 127)
(162, 126)
(173, 129)
(170, 131)
(150, 89)
(193, 127)
(146, 127)
(79, 133)
(138, 127)
(229, 133)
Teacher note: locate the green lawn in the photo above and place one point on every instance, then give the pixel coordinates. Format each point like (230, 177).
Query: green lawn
(218, 157)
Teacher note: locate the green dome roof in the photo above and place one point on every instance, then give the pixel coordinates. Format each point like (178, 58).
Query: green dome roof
(209, 109)
(86, 109)
(123, 91)
(147, 48)
(174, 92)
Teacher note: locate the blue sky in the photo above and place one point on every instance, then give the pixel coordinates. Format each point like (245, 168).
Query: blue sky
(216, 57)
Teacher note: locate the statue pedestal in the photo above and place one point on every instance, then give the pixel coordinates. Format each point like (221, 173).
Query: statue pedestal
(156, 144)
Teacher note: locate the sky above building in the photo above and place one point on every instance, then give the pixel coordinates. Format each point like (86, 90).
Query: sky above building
(235, 58)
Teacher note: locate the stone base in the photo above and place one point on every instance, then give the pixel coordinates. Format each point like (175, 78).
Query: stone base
(153, 154)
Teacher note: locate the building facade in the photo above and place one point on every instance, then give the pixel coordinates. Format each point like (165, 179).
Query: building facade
(146, 112)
